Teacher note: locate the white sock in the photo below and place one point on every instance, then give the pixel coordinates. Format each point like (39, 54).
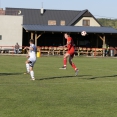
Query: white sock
(32, 74)
(27, 68)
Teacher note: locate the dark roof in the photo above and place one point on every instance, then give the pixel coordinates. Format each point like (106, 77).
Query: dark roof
(34, 17)
(69, 29)
(77, 17)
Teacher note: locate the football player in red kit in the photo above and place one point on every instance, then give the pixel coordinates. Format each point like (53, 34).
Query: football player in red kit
(69, 54)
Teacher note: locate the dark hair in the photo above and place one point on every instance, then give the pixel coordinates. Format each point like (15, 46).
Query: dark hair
(67, 33)
(31, 40)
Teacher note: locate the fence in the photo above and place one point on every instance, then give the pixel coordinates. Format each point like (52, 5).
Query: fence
(9, 49)
(60, 50)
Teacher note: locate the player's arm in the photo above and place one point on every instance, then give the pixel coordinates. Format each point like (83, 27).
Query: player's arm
(29, 48)
(68, 42)
(28, 53)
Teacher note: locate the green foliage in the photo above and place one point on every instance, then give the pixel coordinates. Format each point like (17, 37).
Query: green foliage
(57, 93)
(108, 22)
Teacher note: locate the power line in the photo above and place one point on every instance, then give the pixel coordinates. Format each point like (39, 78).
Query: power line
(106, 17)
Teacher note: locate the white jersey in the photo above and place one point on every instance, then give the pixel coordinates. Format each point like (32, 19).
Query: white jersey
(32, 53)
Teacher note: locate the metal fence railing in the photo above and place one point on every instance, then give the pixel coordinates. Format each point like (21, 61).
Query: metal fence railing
(60, 50)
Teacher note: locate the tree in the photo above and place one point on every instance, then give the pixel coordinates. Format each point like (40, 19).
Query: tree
(108, 22)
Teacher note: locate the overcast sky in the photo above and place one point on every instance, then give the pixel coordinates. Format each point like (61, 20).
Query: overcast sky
(99, 8)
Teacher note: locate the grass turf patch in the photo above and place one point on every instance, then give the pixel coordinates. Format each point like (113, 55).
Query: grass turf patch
(58, 93)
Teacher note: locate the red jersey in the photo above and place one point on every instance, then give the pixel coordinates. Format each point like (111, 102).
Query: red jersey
(71, 45)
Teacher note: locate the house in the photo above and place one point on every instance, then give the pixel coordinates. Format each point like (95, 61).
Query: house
(49, 26)
(54, 17)
(10, 29)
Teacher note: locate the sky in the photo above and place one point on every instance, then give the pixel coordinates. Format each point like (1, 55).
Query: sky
(99, 8)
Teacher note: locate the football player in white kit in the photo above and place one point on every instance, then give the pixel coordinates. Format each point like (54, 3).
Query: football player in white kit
(31, 59)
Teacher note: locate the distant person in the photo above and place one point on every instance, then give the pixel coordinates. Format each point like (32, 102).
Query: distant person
(107, 50)
(17, 48)
(31, 59)
(69, 54)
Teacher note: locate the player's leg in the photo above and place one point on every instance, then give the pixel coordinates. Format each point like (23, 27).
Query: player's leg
(32, 73)
(65, 61)
(72, 64)
(27, 67)
(31, 70)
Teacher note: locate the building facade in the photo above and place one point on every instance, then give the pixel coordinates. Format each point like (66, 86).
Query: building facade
(10, 30)
(14, 19)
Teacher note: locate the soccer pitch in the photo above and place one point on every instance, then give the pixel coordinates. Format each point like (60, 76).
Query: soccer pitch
(58, 93)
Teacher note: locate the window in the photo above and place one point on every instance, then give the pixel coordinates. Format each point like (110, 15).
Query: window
(62, 23)
(86, 23)
(51, 22)
(0, 37)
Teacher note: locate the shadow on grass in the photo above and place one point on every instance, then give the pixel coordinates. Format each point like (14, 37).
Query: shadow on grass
(8, 74)
(49, 78)
(101, 77)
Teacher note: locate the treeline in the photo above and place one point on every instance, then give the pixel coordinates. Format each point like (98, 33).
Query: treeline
(108, 22)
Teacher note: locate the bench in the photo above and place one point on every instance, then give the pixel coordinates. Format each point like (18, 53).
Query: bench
(9, 51)
(90, 51)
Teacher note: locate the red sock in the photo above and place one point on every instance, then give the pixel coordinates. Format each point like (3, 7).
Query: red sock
(65, 62)
(73, 66)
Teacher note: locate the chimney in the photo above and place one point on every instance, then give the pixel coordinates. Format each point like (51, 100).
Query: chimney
(2, 12)
(42, 10)
(1, 9)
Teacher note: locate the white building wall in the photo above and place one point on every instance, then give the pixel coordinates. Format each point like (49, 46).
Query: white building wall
(93, 22)
(11, 30)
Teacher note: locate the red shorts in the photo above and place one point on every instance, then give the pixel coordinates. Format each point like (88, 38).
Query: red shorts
(71, 52)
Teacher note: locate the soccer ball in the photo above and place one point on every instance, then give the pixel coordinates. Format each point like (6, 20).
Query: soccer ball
(83, 33)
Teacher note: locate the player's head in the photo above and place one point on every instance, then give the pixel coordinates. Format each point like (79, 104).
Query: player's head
(31, 41)
(66, 35)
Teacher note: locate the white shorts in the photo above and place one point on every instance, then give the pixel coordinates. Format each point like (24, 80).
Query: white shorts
(32, 62)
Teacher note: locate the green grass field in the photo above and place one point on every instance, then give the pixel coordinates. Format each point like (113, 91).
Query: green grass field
(57, 93)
